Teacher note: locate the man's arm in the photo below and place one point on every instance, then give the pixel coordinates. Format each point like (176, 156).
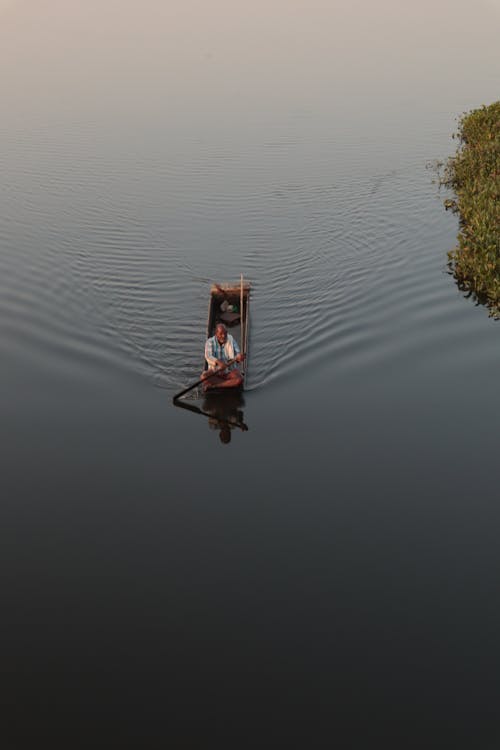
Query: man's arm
(239, 357)
(209, 355)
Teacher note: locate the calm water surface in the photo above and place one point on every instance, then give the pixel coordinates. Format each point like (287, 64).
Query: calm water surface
(330, 576)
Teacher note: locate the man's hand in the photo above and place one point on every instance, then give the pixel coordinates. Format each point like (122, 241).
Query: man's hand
(240, 357)
(221, 365)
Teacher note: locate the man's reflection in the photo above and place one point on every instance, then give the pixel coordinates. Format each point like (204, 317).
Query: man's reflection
(225, 413)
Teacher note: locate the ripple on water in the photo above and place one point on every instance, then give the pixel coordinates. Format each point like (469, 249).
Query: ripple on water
(122, 253)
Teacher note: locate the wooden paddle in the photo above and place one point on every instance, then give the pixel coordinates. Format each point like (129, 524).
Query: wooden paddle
(203, 380)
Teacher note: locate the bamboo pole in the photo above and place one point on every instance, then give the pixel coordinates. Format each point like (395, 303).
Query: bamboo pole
(246, 327)
(242, 327)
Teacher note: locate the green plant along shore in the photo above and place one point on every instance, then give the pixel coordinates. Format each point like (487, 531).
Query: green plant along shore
(473, 175)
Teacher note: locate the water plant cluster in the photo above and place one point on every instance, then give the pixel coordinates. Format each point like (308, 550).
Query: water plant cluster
(473, 175)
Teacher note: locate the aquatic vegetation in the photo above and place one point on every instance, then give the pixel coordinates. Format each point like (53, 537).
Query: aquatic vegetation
(473, 175)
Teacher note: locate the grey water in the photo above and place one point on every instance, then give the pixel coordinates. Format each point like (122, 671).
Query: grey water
(330, 576)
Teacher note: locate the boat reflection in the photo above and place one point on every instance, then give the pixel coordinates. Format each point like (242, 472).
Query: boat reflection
(224, 412)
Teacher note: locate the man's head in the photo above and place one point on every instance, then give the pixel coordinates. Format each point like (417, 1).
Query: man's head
(221, 333)
(225, 434)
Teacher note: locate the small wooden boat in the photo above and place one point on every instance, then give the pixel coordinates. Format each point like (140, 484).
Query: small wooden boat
(229, 304)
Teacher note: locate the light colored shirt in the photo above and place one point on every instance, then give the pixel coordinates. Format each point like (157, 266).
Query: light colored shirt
(225, 352)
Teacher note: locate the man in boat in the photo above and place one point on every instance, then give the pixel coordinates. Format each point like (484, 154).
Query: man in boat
(219, 350)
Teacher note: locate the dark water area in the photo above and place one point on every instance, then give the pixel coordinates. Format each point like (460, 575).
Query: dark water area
(330, 576)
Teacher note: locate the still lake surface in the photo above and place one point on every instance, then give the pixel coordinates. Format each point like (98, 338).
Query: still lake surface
(331, 575)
